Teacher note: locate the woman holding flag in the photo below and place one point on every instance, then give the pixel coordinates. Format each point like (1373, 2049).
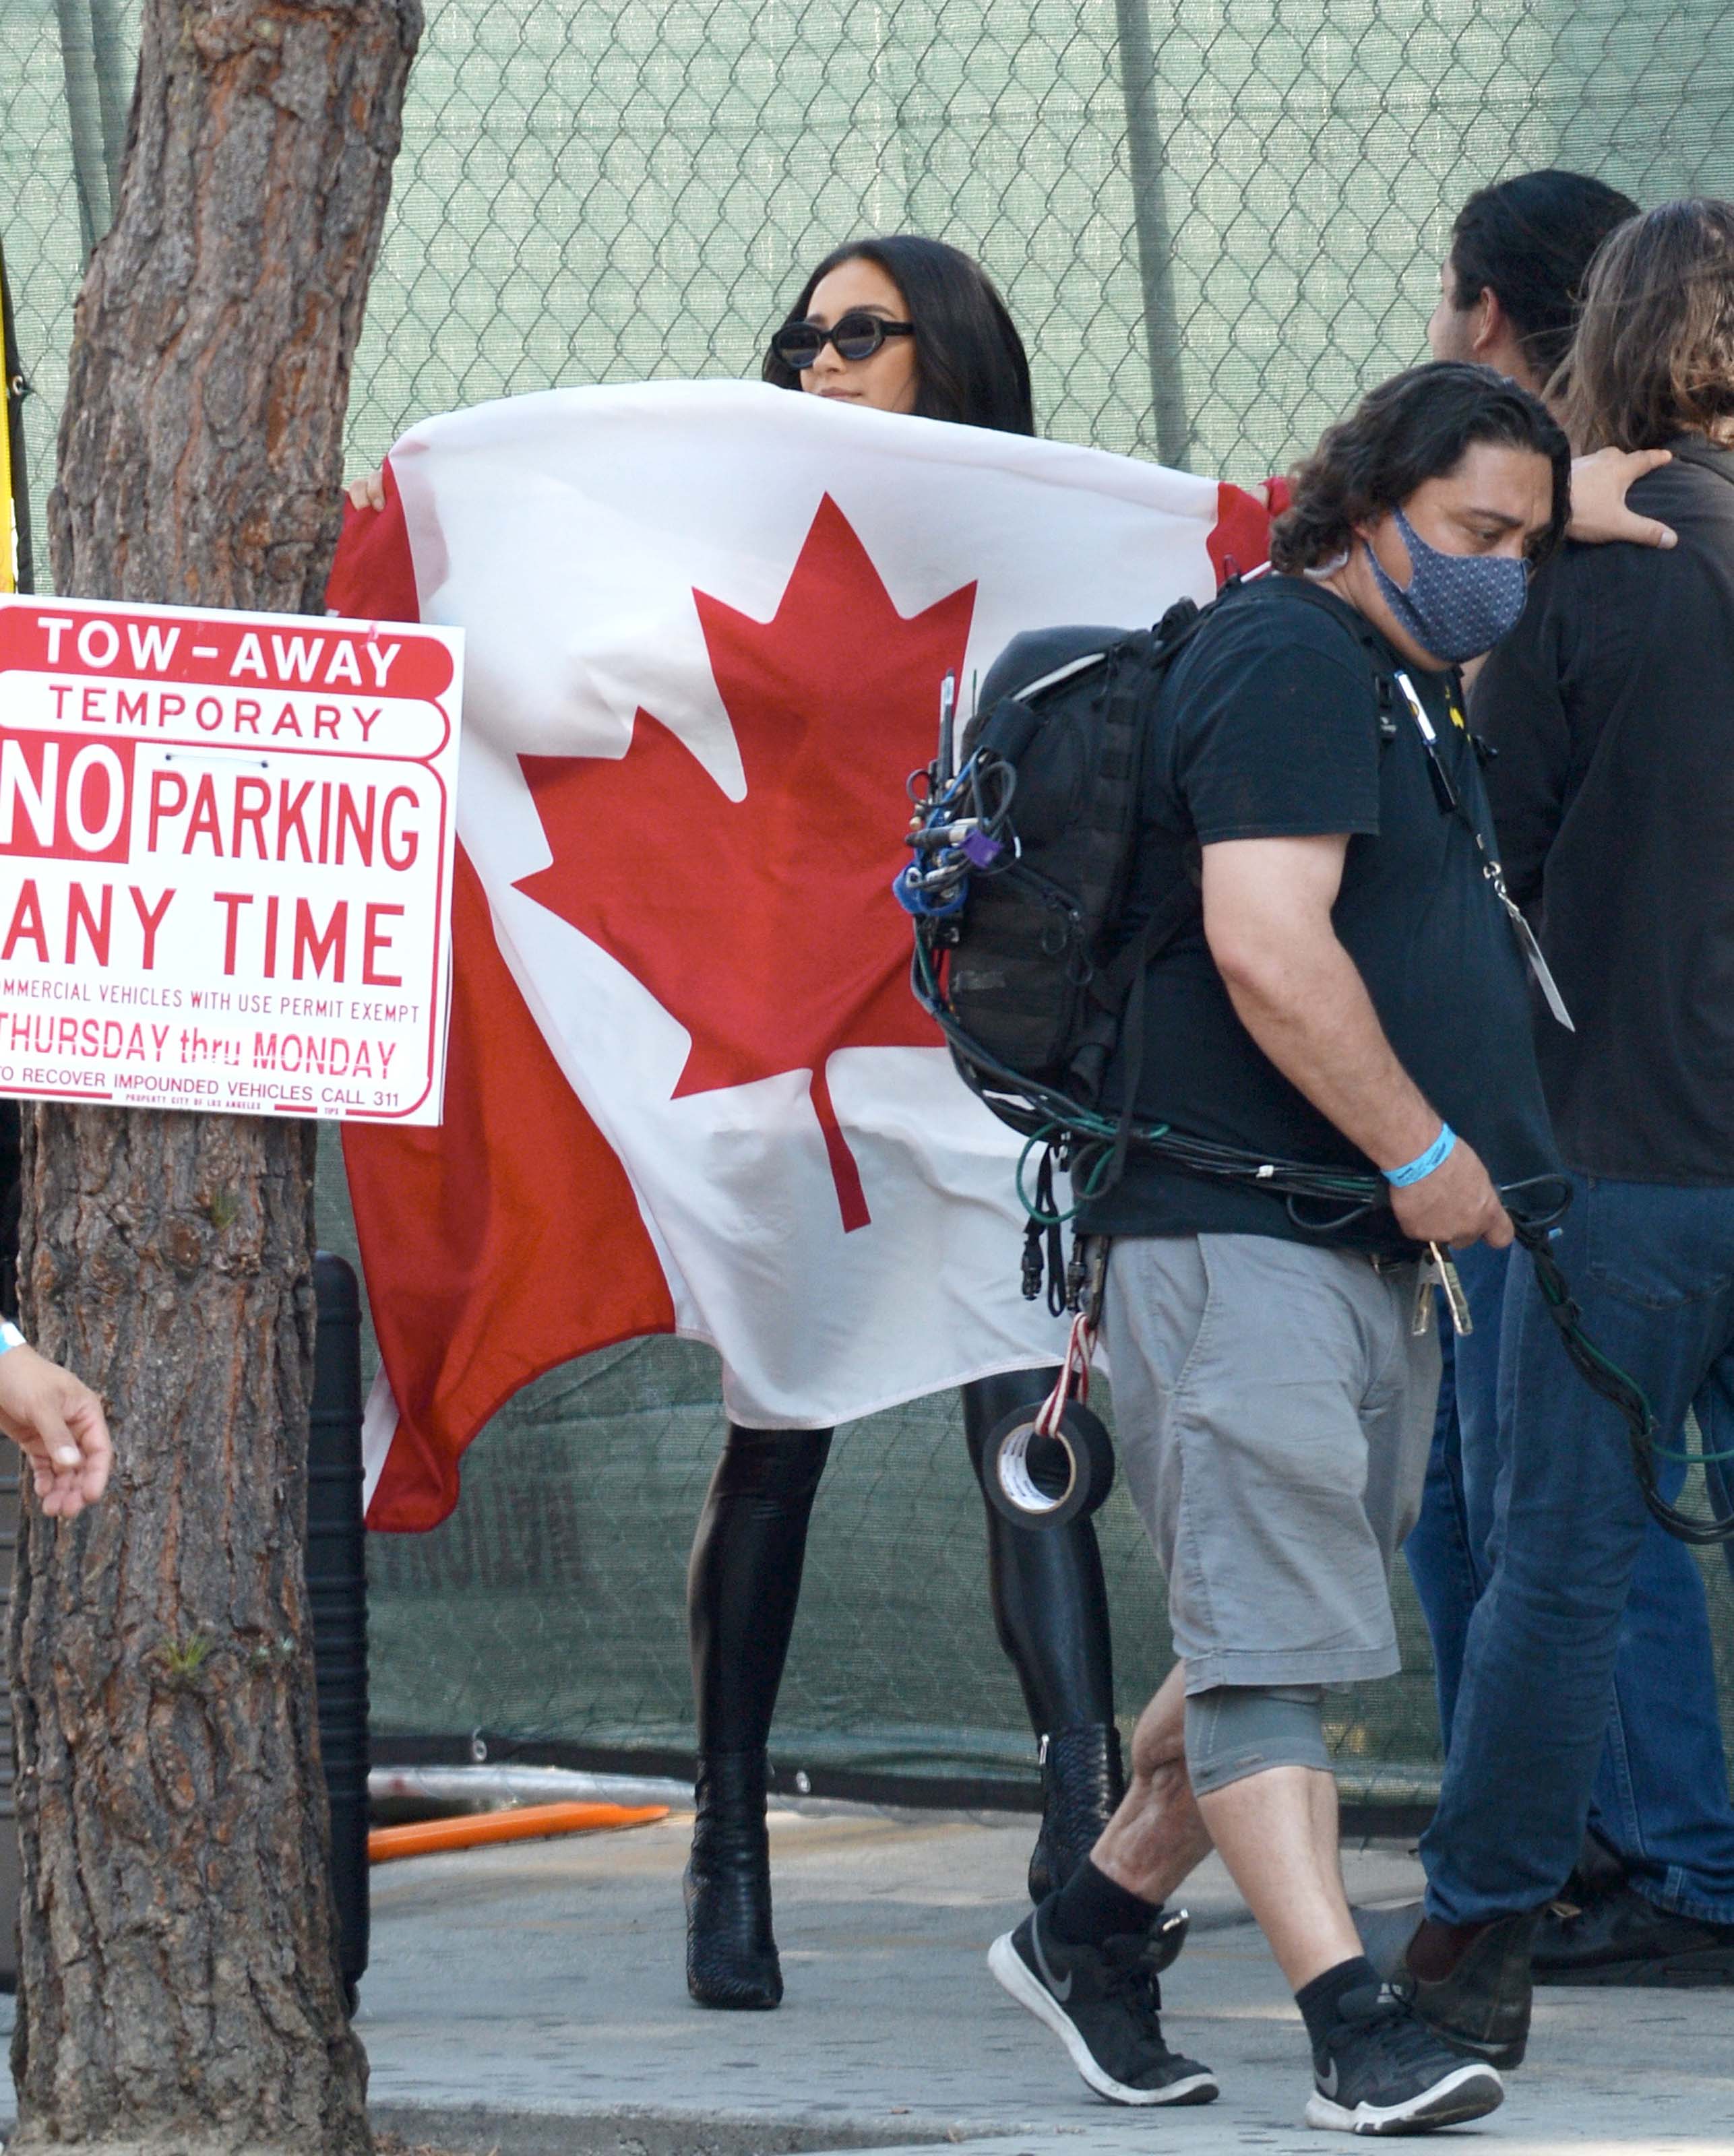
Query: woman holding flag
(903, 325)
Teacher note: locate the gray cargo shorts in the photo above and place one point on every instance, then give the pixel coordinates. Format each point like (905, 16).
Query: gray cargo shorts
(1274, 1412)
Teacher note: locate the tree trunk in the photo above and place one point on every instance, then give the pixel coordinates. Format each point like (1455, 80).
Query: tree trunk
(177, 1984)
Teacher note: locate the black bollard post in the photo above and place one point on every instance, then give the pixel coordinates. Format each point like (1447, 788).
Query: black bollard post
(8, 1816)
(337, 1597)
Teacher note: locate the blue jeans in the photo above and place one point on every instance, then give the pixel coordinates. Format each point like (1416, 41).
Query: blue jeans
(1588, 1671)
(1447, 1549)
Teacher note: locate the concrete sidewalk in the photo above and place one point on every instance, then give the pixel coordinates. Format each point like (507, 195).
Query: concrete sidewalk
(532, 1999)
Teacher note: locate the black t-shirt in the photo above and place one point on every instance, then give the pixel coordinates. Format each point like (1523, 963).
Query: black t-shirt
(1612, 706)
(1270, 725)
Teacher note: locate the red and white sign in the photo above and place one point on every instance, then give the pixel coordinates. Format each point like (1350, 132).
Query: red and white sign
(225, 859)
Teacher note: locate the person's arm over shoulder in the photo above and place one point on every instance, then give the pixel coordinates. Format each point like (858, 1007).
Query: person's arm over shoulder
(1518, 706)
(1275, 733)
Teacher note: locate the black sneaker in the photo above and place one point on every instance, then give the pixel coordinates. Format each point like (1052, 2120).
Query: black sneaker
(1381, 2070)
(1104, 2002)
(1617, 1937)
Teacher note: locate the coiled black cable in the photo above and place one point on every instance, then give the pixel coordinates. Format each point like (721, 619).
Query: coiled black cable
(1622, 1393)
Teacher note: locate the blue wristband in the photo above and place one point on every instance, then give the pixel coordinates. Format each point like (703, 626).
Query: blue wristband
(1436, 1154)
(10, 1336)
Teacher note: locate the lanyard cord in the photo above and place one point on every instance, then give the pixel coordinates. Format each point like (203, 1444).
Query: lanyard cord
(1451, 804)
(1446, 794)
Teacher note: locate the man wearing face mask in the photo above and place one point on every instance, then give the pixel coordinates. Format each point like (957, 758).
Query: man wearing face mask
(1353, 995)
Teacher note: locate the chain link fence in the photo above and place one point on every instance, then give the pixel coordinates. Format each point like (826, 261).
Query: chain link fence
(1213, 225)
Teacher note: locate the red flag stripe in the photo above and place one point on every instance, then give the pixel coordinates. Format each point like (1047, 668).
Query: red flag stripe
(1240, 539)
(509, 1240)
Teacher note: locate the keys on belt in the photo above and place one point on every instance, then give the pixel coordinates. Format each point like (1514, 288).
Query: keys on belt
(1438, 1272)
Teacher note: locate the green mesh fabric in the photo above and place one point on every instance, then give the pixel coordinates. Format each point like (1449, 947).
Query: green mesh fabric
(1213, 225)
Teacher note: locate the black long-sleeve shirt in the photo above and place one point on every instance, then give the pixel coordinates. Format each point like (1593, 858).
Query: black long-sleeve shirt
(1611, 706)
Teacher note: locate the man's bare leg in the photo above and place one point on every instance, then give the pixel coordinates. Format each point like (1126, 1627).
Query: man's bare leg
(1276, 1833)
(1151, 1843)
(1158, 1834)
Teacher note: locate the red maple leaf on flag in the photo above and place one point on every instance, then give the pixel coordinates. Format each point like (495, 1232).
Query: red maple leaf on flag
(766, 925)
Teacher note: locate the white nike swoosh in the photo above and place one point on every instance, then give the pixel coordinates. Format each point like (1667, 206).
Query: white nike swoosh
(1062, 1992)
(1327, 2081)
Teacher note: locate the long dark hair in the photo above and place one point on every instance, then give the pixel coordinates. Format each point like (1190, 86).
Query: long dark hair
(1654, 350)
(1531, 239)
(1406, 432)
(970, 363)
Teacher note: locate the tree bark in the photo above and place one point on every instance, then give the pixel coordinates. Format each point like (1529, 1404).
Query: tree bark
(177, 1984)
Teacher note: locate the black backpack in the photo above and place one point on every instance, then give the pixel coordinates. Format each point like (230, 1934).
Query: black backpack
(1016, 915)
(1030, 977)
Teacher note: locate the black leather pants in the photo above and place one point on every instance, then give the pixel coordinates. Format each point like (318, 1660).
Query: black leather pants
(1049, 1601)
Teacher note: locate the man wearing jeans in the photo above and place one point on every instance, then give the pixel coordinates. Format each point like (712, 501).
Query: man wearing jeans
(1510, 288)
(1613, 709)
(1352, 998)
(1661, 1822)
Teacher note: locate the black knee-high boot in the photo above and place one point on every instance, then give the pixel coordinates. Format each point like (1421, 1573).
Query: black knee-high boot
(743, 1584)
(1050, 1605)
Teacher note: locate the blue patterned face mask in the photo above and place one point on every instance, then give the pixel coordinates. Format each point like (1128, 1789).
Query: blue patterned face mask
(1457, 605)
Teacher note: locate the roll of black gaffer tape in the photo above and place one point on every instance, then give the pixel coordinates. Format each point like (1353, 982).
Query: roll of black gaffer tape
(1041, 1481)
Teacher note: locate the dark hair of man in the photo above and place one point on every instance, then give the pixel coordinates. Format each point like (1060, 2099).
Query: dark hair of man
(1531, 240)
(970, 363)
(1416, 426)
(1654, 353)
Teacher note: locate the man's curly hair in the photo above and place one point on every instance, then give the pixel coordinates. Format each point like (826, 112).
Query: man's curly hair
(1414, 428)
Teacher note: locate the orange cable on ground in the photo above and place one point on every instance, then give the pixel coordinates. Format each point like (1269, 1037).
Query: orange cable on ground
(522, 1823)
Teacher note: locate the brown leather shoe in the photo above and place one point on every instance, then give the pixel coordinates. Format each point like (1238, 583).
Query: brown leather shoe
(1617, 1937)
(1482, 2006)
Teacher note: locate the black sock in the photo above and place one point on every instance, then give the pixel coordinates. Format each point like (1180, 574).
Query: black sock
(1091, 1908)
(1318, 2000)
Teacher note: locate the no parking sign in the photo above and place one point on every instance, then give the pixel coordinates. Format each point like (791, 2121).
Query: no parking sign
(225, 859)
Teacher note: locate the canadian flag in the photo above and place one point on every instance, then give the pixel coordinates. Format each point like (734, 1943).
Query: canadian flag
(688, 1090)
